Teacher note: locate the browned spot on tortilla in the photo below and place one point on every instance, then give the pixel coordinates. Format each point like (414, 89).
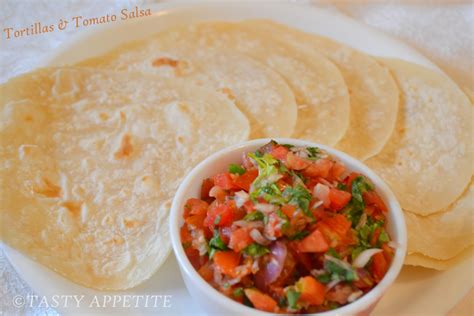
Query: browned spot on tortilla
(131, 223)
(116, 240)
(28, 118)
(228, 92)
(180, 66)
(165, 61)
(122, 116)
(126, 148)
(73, 206)
(48, 189)
(180, 139)
(103, 116)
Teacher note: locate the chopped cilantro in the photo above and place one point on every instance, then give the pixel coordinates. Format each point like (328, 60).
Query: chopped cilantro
(255, 250)
(238, 292)
(313, 152)
(339, 272)
(356, 206)
(254, 216)
(236, 169)
(216, 243)
(383, 237)
(299, 196)
(333, 253)
(288, 146)
(324, 278)
(292, 297)
(341, 186)
(286, 220)
(299, 235)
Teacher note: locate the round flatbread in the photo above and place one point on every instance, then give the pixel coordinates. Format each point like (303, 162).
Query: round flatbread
(320, 90)
(416, 259)
(260, 93)
(373, 92)
(445, 234)
(90, 160)
(427, 161)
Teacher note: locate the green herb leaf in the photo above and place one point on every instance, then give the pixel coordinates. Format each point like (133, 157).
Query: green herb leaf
(356, 206)
(383, 237)
(216, 243)
(238, 292)
(299, 235)
(339, 272)
(299, 196)
(341, 186)
(254, 216)
(289, 146)
(324, 278)
(313, 152)
(236, 169)
(292, 297)
(333, 253)
(255, 250)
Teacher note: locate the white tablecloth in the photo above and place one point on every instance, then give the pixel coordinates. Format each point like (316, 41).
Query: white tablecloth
(444, 33)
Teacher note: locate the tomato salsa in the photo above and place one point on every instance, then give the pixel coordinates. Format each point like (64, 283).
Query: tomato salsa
(288, 230)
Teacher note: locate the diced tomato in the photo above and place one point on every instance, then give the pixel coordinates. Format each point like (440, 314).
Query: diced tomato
(261, 301)
(226, 262)
(312, 291)
(314, 242)
(185, 235)
(224, 210)
(372, 198)
(302, 258)
(288, 210)
(379, 266)
(218, 193)
(245, 180)
(195, 207)
(336, 171)
(375, 236)
(193, 256)
(239, 239)
(295, 163)
(318, 168)
(206, 186)
(348, 180)
(224, 181)
(206, 272)
(279, 152)
(196, 221)
(387, 252)
(338, 199)
(249, 206)
(339, 224)
(364, 281)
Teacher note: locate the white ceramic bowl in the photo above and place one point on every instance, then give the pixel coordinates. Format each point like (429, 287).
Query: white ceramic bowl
(215, 303)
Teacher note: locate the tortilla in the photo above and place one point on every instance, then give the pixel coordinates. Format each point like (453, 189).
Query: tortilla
(427, 161)
(260, 93)
(320, 90)
(373, 92)
(443, 235)
(416, 259)
(90, 160)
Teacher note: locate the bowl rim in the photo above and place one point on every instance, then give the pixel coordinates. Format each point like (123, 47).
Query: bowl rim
(361, 304)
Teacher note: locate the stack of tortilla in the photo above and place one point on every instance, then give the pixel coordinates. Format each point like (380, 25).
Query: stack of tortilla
(92, 154)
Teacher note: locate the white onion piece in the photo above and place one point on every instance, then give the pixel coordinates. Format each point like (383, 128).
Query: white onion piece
(364, 257)
(332, 284)
(257, 236)
(240, 198)
(265, 208)
(355, 295)
(246, 224)
(321, 191)
(393, 244)
(215, 190)
(273, 178)
(317, 204)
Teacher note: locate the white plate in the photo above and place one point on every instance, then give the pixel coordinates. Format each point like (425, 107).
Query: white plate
(417, 291)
